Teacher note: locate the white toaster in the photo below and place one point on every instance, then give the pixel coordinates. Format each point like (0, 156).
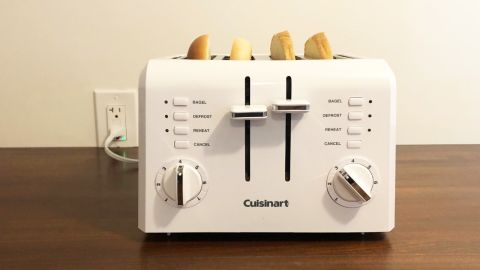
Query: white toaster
(267, 146)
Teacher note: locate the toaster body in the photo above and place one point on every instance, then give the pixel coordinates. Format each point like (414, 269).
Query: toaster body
(267, 146)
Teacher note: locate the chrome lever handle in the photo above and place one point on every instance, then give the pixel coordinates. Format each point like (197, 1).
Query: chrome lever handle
(291, 106)
(354, 187)
(248, 112)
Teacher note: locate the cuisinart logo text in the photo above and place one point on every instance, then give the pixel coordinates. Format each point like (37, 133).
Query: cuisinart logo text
(265, 203)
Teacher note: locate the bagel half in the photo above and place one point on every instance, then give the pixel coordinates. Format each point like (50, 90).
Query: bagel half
(281, 47)
(318, 47)
(200, 48)
(241, 50)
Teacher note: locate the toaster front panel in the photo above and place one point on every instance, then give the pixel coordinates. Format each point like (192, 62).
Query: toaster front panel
(265, 146)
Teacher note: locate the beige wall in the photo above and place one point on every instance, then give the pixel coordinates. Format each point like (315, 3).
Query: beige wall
(53, 54)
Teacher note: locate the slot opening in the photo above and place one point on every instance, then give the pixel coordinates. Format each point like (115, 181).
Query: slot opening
(247, 131)
(226, 57)
(288, 131)
(343, 56)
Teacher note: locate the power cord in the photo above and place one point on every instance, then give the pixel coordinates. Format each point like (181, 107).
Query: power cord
(114, 135)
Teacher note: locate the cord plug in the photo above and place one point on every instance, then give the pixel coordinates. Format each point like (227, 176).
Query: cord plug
(115, 134)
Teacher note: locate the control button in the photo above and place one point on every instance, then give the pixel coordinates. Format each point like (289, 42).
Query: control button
(181, 130)
(182, 144)
(355, 101)
(355, 115)
(354, 144)
(181, 116)
(354, 130)
(180, 101)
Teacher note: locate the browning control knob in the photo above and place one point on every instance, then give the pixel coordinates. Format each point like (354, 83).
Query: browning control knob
(351, 183)
(181, 183)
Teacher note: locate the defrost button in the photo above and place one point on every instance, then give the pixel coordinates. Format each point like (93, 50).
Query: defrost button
(181, 116)
(355, 115)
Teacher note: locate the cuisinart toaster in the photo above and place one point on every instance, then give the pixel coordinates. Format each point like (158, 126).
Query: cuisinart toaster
(267, 146)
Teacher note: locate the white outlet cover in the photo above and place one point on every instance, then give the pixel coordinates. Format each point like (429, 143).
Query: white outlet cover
(108, 97)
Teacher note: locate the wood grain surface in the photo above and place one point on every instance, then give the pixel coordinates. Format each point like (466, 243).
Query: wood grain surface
(74, 208)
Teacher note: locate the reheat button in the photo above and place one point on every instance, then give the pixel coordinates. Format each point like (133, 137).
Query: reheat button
(354, 130)
(181, 130)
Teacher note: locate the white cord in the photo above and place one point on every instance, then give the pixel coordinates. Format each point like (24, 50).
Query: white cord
(115, 133)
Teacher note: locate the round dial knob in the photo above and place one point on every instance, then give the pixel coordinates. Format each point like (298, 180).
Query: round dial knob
(181, 183)
(351, 183)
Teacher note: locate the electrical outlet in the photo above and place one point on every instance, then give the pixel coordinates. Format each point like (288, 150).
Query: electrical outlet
(117, 108)
(116, 119)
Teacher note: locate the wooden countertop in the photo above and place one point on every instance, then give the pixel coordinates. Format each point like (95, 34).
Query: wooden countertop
(74, 208)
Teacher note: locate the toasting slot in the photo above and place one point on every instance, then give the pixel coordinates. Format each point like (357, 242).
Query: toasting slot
(288, 132)
(247, 131)
(289, 106)
(247, 113)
